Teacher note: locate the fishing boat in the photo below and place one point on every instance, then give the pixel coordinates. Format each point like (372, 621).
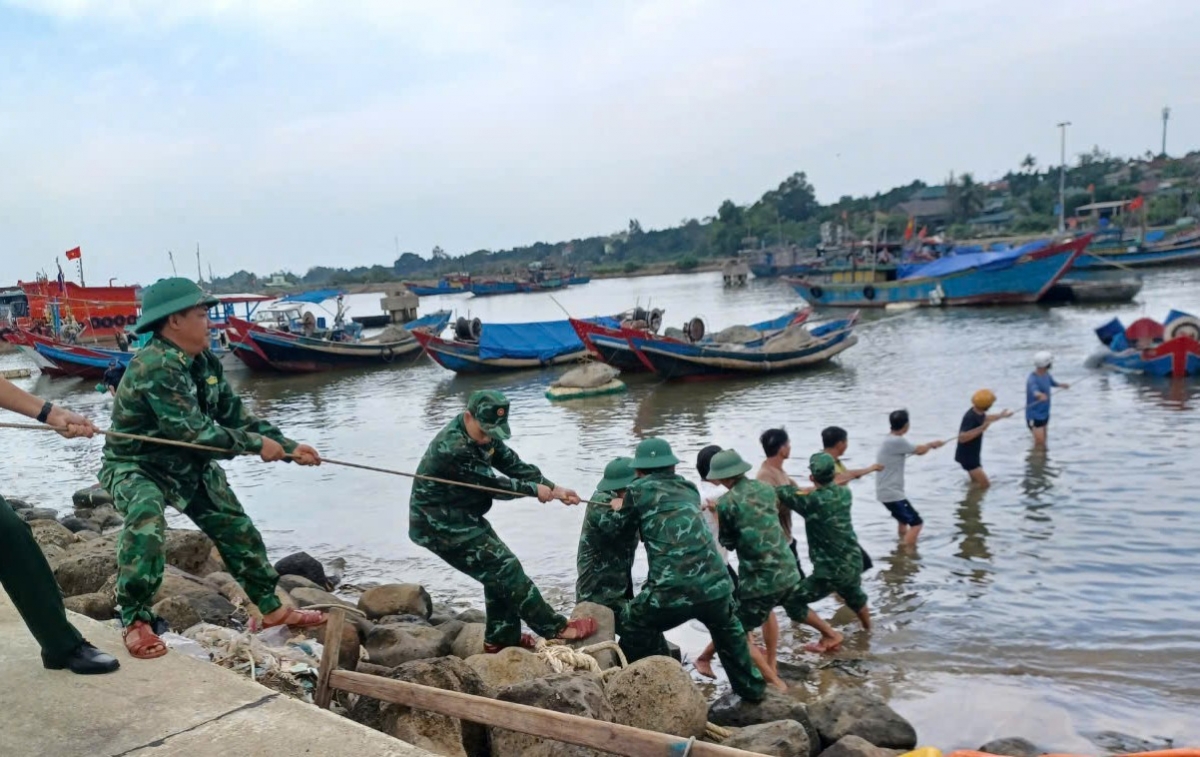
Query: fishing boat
(477, 347)
(1093, 287)
(451, 283)
(1110, 249)
(796, 348)
(1170, 348)
(60, 359)
(611, 345)
(539, 277)
(270, 349)
(996, 277)
(100, 312)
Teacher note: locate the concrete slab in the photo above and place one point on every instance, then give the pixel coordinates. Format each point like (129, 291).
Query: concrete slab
(171, 706)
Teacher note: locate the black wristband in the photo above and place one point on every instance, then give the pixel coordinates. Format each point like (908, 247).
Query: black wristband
(45, 413)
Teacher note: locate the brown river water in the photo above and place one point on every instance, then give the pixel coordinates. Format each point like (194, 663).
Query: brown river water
(1055, 606)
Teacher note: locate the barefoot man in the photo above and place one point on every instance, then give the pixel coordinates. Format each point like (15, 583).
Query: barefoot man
(175, 389)
(449, 521)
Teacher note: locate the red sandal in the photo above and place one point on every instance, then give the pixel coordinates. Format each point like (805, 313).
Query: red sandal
(141, 641)
(583, 628)
(528, 641)
(292, 619)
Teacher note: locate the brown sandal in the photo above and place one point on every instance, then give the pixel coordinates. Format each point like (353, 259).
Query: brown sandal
(141, 641)
(293, 618)
(528, 641)
(583, 628)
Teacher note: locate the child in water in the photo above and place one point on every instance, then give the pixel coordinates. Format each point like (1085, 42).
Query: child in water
(970, 435)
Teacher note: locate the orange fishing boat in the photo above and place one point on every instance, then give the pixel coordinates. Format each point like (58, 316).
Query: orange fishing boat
(101, 311)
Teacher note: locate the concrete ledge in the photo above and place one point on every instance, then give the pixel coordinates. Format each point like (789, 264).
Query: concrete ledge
(171, 706)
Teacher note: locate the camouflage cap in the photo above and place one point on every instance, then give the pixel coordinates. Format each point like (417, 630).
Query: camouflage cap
(823, 467)
(654, 453)
(618, 474)
(490, 409)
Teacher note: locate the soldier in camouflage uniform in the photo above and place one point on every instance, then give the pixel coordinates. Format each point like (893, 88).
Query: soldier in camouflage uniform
(605, 556)
(449, 520)
(832, 544)
(175, 389)
(748, 516)
(688, 579)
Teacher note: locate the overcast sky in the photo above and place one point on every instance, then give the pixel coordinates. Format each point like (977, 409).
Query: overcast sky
(290, 133)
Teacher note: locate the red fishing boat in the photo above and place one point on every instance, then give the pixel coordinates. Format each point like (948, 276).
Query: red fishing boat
(100, 311)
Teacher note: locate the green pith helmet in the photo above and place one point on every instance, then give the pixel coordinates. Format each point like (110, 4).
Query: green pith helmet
(823, 468)
(653, 453)
(166, 297)
(490, 409)
(618, 474)
(726, 464)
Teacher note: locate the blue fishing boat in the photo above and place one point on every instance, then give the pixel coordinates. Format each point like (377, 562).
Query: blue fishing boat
(452, 283)
(500, 347)
(796, 348)
(1110, 249)
(61, 359)
(1170, 348)
(997, 277)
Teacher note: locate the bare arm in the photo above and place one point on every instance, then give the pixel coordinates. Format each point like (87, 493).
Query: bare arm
(856, 473)
(16, 399)
(923, 448)
(969, 436)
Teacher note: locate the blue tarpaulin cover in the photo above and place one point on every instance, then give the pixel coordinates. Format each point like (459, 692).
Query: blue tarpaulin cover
(425, 321)
(956, 263)
(314, 298)
(541, 340)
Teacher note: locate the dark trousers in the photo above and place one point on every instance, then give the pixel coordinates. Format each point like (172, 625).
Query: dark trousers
(30, 584)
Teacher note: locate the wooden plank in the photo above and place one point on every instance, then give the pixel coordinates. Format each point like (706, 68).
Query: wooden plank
(570, 729)
(336, 617)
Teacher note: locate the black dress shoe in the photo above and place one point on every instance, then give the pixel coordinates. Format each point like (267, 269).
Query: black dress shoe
(85, 660)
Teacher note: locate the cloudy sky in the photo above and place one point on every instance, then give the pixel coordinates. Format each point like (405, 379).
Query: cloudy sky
(290, 133)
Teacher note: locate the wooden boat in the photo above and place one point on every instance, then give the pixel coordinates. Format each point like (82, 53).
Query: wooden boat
(59, 359)
(500, 347)
(453, 283)
(1012, 276)
(101, 311)
(265, 349)
(1170, 348)
(784, 352)
(1112, 250)
(1088, 287)
(611, 345)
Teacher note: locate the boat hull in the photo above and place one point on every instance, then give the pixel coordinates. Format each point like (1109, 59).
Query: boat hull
(1025, 281)
(1174, 358)
(464, 357)
(265, 349)
(59, 359)
(1148, 258)
(610, 345)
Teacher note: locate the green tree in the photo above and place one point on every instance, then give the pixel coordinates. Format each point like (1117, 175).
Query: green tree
(966, 198)
(794, 199)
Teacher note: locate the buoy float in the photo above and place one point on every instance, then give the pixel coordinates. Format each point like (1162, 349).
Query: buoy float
(560, 393)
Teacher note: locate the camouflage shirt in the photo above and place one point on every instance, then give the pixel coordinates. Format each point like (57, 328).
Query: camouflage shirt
(832, 543)
(446, 514)
(749, 520)
(605, 555)
(167, 394)
(685, 566)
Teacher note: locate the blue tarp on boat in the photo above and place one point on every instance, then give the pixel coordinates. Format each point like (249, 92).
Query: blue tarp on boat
(541, 340)
(956, 263)
(426, 321)
(775, 324)
(314, 298)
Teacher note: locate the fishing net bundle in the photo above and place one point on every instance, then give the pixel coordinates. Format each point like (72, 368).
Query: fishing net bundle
(588, 376)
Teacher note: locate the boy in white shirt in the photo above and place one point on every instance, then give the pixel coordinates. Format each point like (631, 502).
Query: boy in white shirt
(889, 484)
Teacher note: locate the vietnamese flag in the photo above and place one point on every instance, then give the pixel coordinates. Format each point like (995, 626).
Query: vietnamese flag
(908, 230)
(1137, 203)
(74, 254)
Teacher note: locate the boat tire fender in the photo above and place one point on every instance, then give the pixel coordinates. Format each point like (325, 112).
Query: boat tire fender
(694, 329)
(869, 292)
(1188, 326)
(655, 322)
(388, 354)
(816, 292)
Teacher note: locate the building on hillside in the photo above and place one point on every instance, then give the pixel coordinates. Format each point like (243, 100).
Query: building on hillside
(995, 221)
(929, 206)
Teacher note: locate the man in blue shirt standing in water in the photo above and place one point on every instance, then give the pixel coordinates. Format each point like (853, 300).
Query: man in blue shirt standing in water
(1037, 396)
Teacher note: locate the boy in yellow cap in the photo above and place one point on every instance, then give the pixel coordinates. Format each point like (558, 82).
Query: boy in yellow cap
(970, 435)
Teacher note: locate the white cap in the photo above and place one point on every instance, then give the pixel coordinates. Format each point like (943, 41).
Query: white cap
(1043, 359)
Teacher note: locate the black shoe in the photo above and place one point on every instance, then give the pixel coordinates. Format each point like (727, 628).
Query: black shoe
(85, 660)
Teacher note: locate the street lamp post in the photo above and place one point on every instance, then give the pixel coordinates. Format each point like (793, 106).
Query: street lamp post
(1166, 117)
(1062, 179)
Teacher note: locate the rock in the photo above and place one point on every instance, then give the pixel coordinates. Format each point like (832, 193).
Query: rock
(39, 513)
(451, 629)
(290, 583)
(371, 668)
(85, 568)
(507, 667)
(179, 613)
(657, 694)
(53, 553)
(92, 496)
(309, 597)
(334, 571)
(396, 599)
(606, 631)
(1014, 747)
(469, 641)
(187, 550)
(472, 616)
(783, 738)
(221, 581)
(563, 692)
(437, 618)
(391, 620)
(105, 518)
(854, 746)
(1122, 743)
(214, 564)
(396, 645)
(18, 504)
(853, 712)
(75, 525)
(436, 733)
(201, 598)
(87, 535)
(348, 653)
(47, 532)
(304, 564)
(96, 605)
(732, 711)
(675, 652)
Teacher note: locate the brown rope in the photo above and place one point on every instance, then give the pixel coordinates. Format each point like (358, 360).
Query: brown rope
(324, 460)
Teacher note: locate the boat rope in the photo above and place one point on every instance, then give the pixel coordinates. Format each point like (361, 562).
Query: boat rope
(1031, 404)
(1114, 263)
(324, 460)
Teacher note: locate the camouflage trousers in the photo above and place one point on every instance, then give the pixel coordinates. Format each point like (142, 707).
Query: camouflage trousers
(846, 583)
(509, 595)
(641, 629)
(212, 507)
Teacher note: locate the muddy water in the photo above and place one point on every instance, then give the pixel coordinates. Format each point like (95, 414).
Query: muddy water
(1060, 604)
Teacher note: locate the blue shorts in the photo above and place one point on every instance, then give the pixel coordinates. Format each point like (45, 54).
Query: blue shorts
(904, 512)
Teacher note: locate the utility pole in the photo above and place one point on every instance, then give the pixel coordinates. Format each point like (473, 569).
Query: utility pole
(1166, 117)
(199, 273)
(1062, 179)
(172, 257)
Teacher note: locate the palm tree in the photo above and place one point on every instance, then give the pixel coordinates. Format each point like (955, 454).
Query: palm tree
(1029, 164)
(968, 197)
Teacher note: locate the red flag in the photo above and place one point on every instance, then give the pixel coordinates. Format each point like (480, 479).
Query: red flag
(921, 233)
(1091, 189)
(908, 230)
(1137, 203)
(74, 254)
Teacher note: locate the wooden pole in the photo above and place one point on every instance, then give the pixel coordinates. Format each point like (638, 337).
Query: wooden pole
(570, 729)
(330, 655)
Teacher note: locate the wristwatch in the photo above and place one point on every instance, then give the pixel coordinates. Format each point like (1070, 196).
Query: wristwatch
(45, 412)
